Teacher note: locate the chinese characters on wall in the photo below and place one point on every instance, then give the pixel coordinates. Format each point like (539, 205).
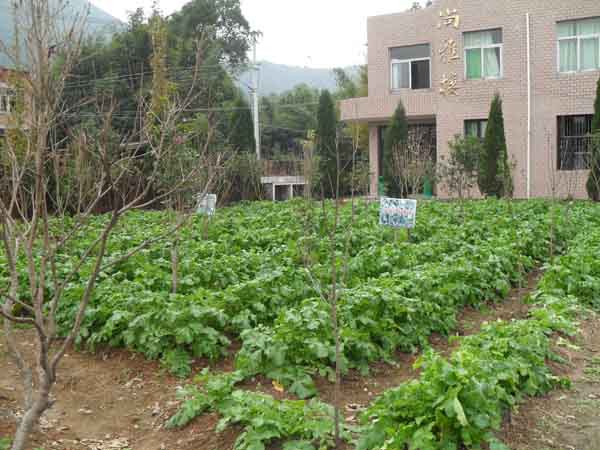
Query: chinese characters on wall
(449, 18)
(449, 52)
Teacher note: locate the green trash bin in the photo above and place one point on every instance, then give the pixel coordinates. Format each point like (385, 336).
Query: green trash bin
(428, 188)
(381, 187)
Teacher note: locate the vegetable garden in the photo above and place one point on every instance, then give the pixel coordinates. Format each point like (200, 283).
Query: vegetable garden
(251, 282)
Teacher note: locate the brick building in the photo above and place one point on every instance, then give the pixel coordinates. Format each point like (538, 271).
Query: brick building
(6, 100)
(446, 62)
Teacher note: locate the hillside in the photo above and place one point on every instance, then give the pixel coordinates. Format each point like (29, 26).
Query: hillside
(98, 22)
(277, 78)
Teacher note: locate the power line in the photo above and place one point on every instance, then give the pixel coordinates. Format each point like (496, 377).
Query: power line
(131, 113)
(133, 76)
(226, 108)
(272, 127)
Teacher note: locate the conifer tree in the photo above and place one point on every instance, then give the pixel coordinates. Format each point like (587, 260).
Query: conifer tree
(242, 131)
(326, 143)
(396, 137)
(593, 182)
(596, 119)
(494, 177)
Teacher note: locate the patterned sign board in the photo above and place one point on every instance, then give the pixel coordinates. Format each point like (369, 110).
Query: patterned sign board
(397, 213)
(207, 205)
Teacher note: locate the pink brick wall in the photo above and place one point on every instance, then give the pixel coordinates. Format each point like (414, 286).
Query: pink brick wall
(4, 75)
(553, 94)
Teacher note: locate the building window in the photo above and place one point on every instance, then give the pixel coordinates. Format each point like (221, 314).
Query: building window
(483, 54)
(579, 45)
(574, 142)
(476, 128)
(411, 67)
(7, 100)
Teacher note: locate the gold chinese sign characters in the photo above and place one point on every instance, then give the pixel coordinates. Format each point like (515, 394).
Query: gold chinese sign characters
(448, 84)
(449, 51)
(449, 18)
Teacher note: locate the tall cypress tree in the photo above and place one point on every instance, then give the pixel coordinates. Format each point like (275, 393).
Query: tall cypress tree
(242, 127)
(596, 119)
(494, 178)
(326, 143)
(593, 182)
(396, 136)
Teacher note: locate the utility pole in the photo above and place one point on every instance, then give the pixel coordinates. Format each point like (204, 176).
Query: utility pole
(255, 87)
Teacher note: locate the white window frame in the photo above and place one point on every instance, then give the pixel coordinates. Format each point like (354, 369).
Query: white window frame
(479, 122)
(578, 39)
(482, 49)
(409, 61)
(6, 96)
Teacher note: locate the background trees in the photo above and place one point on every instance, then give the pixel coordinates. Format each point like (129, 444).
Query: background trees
(121, 66)
(494, 177)
(242, 128)
(285, 121)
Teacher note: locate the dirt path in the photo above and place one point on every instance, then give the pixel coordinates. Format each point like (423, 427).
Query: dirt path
(117, 400)
(564, 419)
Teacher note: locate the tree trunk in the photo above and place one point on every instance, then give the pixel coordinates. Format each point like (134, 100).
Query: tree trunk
(334, 319)
(174, 265)
(31, 417)
(175, 258)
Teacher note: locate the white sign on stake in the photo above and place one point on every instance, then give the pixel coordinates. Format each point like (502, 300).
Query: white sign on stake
(397, 213)
(207, 205)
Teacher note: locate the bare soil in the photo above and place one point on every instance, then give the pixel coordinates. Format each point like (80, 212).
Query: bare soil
(564, 419)
(112, 399)
(116, 400)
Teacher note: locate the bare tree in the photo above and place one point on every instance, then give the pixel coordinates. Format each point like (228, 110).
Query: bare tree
(413, 160)
(102, 168)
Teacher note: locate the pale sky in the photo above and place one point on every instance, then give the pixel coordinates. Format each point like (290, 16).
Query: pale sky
(313, 33)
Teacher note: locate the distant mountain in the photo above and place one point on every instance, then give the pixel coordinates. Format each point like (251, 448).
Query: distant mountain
(277, 78)
(98, 21)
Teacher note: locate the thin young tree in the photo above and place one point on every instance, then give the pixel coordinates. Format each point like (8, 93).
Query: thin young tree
(166, 95)
(396, 138)
(562, 183)
(494, 173)
(330, 223)
(35, 229)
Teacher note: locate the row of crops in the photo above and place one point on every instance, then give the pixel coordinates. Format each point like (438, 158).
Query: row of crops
(256, 273)
(457, 401)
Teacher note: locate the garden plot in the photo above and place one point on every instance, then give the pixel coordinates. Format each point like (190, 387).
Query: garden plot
(249, 306)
